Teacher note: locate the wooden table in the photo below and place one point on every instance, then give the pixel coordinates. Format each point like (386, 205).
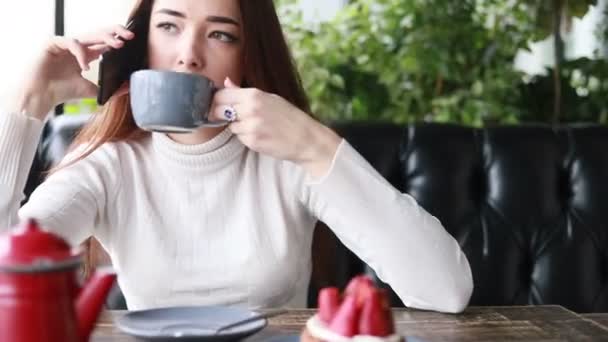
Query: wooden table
(599, 318)
(532, 323)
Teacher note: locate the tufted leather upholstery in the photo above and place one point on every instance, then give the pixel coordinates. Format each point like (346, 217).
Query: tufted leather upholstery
(528, 204)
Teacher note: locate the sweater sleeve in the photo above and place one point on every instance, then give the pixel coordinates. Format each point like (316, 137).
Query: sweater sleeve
(70, 202)
(19, 137)
(407, 247)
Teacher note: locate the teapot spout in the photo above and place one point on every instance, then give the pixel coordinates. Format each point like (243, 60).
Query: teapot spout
(91, 299)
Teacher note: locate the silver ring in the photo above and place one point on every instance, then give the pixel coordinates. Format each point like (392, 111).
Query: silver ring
(230, 114)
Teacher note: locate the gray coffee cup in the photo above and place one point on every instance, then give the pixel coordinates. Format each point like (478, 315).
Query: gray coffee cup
(171, 102)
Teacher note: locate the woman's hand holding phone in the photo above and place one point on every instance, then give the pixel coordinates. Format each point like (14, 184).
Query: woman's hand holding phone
(56, 75)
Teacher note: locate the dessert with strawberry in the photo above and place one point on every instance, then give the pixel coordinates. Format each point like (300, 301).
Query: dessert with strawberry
(362, 313)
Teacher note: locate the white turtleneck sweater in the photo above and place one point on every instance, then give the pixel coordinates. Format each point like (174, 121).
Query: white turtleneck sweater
(218, 223)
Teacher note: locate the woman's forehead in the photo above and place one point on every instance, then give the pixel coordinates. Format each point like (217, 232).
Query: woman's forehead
(200, 9)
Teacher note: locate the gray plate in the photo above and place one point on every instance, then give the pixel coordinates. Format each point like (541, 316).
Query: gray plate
(285, 338)
(189, 324)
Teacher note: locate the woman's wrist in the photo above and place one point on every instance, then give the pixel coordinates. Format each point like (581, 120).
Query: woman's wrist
(33, 104)
(321, 149)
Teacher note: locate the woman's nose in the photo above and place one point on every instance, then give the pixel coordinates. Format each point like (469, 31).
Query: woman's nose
(190, 58)
(190, 62)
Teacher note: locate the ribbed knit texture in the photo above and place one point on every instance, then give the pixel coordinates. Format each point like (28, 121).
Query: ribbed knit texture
(218, 223)
(19, 135)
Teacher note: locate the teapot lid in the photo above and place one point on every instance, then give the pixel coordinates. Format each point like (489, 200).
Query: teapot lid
(29, 249)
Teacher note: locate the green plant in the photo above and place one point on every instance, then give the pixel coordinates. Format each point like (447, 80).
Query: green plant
(407, 60)
(433, 60)
(553, 17)
(584, 89)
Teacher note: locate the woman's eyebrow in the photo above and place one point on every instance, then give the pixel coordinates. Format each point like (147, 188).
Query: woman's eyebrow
(171, 12)
(223, 20)
(211, 18)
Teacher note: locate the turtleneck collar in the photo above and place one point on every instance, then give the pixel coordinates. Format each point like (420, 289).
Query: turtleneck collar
(219, 150)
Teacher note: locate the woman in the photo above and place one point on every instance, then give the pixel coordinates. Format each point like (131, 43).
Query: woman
(222, 215)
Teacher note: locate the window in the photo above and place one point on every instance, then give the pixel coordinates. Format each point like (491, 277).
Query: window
(581, 41)
(85, 16)
(26, 25)
(321, 9)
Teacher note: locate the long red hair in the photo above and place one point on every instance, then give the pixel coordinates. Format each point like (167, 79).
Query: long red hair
(269, 66)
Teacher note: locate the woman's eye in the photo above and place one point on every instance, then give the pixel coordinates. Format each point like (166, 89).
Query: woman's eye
(223, 36)
(167, 27)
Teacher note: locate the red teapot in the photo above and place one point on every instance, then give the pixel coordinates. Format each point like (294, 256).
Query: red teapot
(40, 297)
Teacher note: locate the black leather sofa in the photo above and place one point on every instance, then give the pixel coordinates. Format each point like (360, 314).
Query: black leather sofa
(528, 204)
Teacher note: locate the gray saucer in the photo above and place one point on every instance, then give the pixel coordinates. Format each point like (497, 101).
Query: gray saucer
(189, 324)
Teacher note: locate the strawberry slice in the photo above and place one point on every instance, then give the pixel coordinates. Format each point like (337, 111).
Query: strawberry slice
(356, 283)
(346, 320)
(329, 303)
(374, 319)
(361, 287)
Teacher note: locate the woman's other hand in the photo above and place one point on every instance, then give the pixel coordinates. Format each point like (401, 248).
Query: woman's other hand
(56, 75)
(268, 124)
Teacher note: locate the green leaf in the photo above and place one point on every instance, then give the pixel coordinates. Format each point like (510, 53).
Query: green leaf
(578, 8)
(398, 60)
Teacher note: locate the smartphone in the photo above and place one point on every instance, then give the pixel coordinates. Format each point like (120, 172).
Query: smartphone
(117, 65)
